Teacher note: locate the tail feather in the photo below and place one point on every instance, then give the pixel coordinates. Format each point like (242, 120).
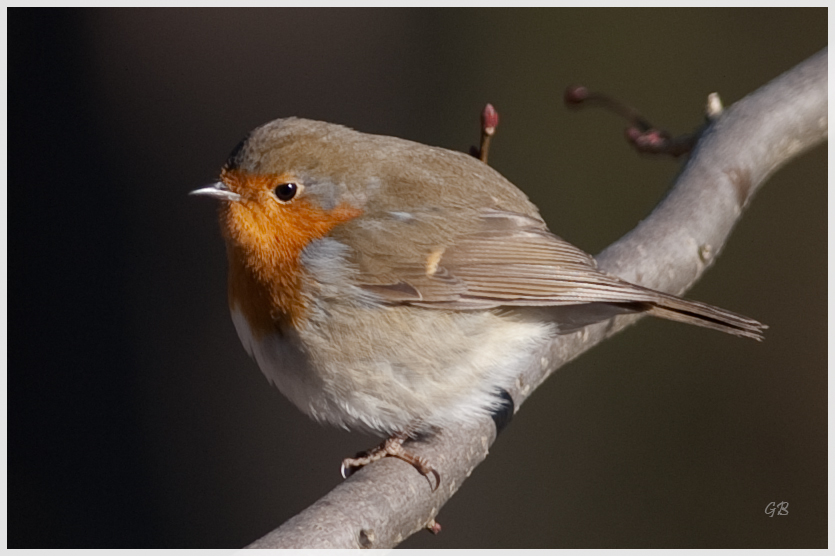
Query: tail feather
(708, 316)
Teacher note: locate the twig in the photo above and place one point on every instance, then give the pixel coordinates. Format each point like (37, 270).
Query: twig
(489, 123)
(645, 137)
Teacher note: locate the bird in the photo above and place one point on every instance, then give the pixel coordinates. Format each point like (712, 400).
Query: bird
(396, 288)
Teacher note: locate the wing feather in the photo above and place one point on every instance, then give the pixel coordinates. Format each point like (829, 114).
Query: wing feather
(513, 260)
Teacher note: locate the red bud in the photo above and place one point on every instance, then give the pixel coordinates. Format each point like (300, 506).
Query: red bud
(489, 119)
(575, 94)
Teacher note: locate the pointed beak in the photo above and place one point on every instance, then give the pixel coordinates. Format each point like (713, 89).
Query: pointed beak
(218, 191)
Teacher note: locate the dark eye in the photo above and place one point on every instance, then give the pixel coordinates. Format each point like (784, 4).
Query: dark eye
(286, 191)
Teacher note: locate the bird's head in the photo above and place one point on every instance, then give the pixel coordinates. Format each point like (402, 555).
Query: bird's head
(279, 190)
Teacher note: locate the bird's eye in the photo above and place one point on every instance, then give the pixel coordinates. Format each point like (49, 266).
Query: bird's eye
(286, 191)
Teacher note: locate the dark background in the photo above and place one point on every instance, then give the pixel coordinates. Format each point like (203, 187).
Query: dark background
(135, 418)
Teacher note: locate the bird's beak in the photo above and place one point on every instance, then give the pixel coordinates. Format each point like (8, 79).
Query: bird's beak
(218, 191)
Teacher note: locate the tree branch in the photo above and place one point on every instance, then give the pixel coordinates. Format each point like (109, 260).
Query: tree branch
(384, 503)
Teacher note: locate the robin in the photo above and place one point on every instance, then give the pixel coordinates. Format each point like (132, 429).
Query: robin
(396, 288)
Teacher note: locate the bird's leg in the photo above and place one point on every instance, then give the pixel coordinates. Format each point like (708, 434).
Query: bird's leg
(391, 447)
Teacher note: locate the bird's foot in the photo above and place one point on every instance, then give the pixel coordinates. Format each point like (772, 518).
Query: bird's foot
(391, 447)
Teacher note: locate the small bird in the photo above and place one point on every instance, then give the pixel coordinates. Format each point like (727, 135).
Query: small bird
(391, 287)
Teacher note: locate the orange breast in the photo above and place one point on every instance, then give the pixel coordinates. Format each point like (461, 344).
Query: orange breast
(264, 241)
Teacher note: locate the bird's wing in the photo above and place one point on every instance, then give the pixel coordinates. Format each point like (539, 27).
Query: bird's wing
(513, 260)
(510, 259)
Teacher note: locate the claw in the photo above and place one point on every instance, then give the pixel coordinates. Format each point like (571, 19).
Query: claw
(392, 447)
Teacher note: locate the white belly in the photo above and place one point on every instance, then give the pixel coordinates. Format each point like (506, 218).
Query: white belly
(385, 369)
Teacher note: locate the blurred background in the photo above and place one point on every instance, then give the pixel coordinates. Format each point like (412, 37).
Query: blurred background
(136, 419)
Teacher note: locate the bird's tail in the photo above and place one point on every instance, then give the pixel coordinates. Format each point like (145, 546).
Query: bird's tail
(701, 314)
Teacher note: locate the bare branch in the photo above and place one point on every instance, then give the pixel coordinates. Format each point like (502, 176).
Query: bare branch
(383, 503)
(645, 137)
